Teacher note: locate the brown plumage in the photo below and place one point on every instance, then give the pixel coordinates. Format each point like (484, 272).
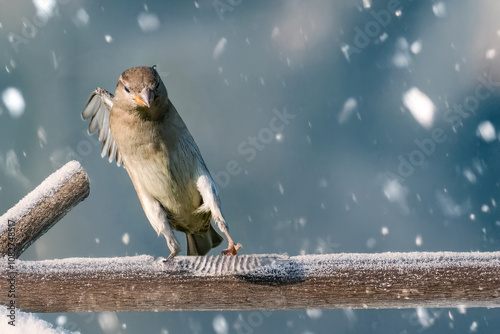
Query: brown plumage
(141, 128)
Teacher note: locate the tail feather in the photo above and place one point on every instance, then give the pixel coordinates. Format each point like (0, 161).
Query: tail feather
(201, 244)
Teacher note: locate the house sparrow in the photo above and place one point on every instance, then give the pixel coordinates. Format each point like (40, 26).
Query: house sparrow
(141, 129)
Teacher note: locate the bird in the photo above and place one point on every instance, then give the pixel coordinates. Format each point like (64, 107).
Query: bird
(141, 129)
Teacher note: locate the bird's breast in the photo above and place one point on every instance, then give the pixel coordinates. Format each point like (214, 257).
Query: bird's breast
(159, 163)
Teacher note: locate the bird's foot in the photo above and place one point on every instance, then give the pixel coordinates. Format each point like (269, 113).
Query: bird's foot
(169, 259)
(232, 249)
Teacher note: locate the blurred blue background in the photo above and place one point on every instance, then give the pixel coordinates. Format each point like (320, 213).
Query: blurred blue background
(391, 145)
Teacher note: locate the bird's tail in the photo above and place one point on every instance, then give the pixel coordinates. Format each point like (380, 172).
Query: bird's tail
(201, 244)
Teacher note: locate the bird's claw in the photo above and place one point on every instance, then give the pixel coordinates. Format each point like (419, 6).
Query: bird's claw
(169, 259)
(232, 249)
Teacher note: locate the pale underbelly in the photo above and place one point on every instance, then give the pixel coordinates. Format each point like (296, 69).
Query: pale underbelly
(176, 193)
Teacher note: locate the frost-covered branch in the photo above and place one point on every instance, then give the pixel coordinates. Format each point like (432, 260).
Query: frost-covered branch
(250, 282)
(36, 213)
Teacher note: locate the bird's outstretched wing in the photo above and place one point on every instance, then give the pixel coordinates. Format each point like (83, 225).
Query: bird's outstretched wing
(98, 109)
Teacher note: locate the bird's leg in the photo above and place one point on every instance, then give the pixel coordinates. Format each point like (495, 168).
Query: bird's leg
(158, 217)
(232, 247)
(172, 242)
(211, 203)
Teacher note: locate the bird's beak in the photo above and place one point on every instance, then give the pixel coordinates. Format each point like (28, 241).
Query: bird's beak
(144, 98)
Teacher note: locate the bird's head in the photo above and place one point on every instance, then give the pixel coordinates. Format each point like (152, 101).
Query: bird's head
(141, 88)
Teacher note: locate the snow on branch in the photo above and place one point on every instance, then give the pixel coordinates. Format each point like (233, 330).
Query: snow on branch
(36, 213)
(250, 282)
(27, 323)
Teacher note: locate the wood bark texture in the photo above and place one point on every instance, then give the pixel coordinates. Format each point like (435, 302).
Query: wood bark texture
(36, 213)
(256, 282)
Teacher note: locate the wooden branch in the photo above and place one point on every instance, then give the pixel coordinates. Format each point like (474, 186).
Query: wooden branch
(250, 282)
(36, 213)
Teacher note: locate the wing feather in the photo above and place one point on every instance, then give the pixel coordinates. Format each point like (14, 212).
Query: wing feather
(97, 109)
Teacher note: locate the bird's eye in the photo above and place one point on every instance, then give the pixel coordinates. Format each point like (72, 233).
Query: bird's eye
(126, 89)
